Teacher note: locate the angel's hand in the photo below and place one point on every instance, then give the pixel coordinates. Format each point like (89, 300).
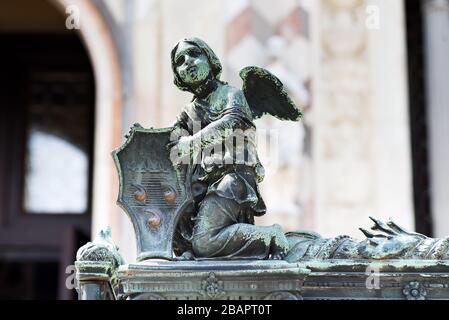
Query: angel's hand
(180, 150)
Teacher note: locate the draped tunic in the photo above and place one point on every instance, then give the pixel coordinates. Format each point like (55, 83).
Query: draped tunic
(225, 177)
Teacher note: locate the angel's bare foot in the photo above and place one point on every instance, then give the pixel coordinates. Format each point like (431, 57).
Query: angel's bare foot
(186, 256)
(278, 251)
(279, 245)
(277, 255)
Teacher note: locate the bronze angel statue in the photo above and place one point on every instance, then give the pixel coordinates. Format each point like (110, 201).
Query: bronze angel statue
(225, 190)
(220, 224)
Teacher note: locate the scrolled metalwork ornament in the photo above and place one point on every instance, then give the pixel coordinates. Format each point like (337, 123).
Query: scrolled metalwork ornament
(212, 287)
(414, 291)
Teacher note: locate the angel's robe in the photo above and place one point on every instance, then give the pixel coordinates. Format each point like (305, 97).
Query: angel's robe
(225, 188)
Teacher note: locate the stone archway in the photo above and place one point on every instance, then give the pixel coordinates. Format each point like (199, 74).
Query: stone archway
(100, 46)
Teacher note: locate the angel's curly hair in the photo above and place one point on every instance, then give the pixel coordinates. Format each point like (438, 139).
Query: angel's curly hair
(214, 62)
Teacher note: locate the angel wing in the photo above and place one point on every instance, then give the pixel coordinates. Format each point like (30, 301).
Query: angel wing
(265, 94)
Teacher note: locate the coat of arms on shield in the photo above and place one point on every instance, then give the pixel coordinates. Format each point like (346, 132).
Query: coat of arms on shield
(152, 191)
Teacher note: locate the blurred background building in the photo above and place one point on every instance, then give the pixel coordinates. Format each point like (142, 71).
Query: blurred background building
(371, 76)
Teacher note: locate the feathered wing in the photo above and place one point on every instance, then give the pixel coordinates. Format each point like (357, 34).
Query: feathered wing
(265, 94)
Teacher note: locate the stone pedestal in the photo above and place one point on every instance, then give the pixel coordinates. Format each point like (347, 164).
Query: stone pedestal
(269, 280)
(376, 280)
(206, 280)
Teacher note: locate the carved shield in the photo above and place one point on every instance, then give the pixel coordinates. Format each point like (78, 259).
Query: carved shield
(152, 192)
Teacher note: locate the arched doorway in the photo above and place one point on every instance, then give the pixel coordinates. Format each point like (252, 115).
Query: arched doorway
(96, 35)
(61, 98)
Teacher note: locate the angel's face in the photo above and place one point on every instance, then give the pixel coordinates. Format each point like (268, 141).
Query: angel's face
(191, 64)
